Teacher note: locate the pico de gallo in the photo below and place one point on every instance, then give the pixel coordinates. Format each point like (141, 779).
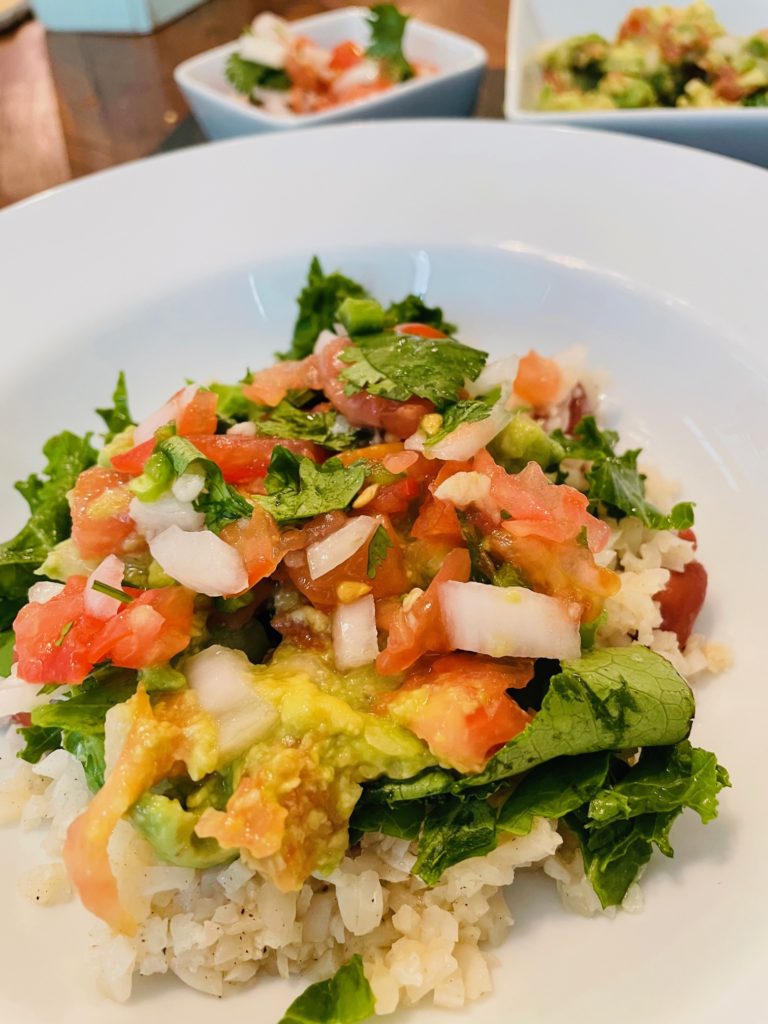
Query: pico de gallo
(285, 73)
(661, 57)
(361, 590)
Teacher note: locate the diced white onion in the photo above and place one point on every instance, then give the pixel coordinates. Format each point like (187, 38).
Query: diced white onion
(366, 72)
(463, 489)
(497, 374)
(152, 517)
(355, 640)
(324, 338)
(188, 487)
(337, 547)
(223, 681)
(468, 438)
(43, 592)
(509, 621)
(571, 362)
(111, 572)
(201, 561)
(18, 696)
(245, 429)
(167, 412)
(271, 26)
(263, 50)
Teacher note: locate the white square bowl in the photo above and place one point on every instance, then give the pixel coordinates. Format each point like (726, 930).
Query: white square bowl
(130, 16)
(733, 131)
(223, 113)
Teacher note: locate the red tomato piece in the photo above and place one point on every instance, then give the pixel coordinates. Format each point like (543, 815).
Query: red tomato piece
(460, 707)
(420, 630)
(135, 459)
(345, 55)
(270, 386)
(53, 640)
(420, 331)
(199, 414)
(99, 505)
(436, 518)
(149, 631)
(682, 600)
(260, 543)
(538, 379)
(540, 508)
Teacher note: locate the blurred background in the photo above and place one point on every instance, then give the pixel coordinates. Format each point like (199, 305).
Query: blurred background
(76, 102)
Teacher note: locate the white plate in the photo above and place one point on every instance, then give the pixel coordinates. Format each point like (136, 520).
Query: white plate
(735, 131)
(223, 113)
(187, 265)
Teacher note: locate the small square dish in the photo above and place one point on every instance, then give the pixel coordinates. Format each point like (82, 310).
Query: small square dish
(450, 92)
(740, 132)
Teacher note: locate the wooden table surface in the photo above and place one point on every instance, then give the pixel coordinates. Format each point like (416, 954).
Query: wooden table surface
(73, 103)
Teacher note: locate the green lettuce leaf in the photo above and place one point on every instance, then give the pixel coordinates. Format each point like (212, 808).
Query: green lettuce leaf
(85, 709)
(7, 640)
(323, 427)
(118, 417)
(609, 699)
(615, 481)
(297, 488)
(346, 998)
(319, 299)
(399, 366)
(38, 741)
(49, 521)
(387, 29)
(553, 790)
(246, 75)
(454, 829)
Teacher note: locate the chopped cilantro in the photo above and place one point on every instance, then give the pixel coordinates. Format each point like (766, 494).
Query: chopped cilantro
(377, 550)
(297, 488)
(247, 75)
(387, 28)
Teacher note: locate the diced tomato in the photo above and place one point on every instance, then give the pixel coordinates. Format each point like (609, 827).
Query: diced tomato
(247, 458)
(99, 505)
(682, 600)
(159, 736)
(199, 414)
(53, 640)
(260, 543)
(420, 629)
(395, 498)
(438, 518)
(270, 386)
(420, 331)
(390, 578)
(538, 379)
(149, 631)
(58, 642)
(363, 409)
(460, 707)
(345, 55)
(688, 535)
(135, 459)
(540, 508)
(566, 570)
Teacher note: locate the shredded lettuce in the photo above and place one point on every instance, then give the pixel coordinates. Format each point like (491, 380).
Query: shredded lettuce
(49, 521)
(345, 998)
(297, 488)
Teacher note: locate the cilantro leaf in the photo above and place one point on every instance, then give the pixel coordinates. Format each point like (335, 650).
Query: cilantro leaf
(7, 640)
(377, 550)
(387, 29)
(297, 488)
(85, 710)
(324, 427)
(247, 75)
(117, 418)
(49, 522)
(345, 998)
(467, 410)
(615, 481)
(220, 502)
(400, 366)
(413, 310)
(319, 299)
